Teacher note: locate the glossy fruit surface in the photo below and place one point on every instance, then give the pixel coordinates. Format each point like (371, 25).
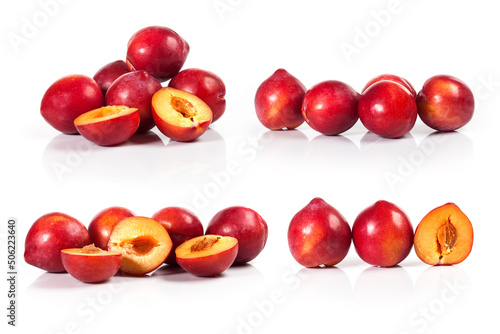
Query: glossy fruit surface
(319, 235)
(157, 50)
(382, 234)
(387, 109)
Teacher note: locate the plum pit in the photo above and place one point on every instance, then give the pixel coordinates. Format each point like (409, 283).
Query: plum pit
(183, 106)
(204, 243)
(446, 238)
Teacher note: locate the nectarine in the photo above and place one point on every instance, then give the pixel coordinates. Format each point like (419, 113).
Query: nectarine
(68, 98)
(206, 85)
(110, 125)
(91, 264)
(107, 74)
(444, 236)
(180, 115)
(392, 77)
(445, 103)
(278, 101)
(244, 224)
(382, 234)
(143, 243)
(319, 235)
(157, 50)
(387, 109)
(102, 224)
(135, 90)
(50, 234)
(331, 107)
(207, 255)
(181, 224)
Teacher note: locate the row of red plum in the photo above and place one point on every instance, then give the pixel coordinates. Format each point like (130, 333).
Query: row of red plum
(182, 111)
(318, 236)
(387, 106)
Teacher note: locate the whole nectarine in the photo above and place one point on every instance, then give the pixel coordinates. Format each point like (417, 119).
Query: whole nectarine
(135, 90)
(181, 224)
(107, 74)
(382, 234)
(157, 50)
(387, 109)
(102, 224)
(68, 98)
(50, 234)
(206, 85)
(445, 103)
(331, 107)
(392, 77)
(319, 235)
(244, 224)
(278, 101)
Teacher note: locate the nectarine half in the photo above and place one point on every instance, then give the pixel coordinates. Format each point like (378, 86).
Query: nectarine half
(91, 264)
(110, 125)
(444, 236)
(207, 255)
(180, 115)
(143, 243)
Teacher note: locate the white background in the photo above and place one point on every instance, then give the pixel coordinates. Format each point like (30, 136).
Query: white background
(277, 173)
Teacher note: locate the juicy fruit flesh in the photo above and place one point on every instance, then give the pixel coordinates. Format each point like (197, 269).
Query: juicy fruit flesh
(91, 249)
(139, 246)
(180, 108)
(88, 250)
(205, 243)
(103, 114)
(143, 242)
(446, 238)
(183, 106)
